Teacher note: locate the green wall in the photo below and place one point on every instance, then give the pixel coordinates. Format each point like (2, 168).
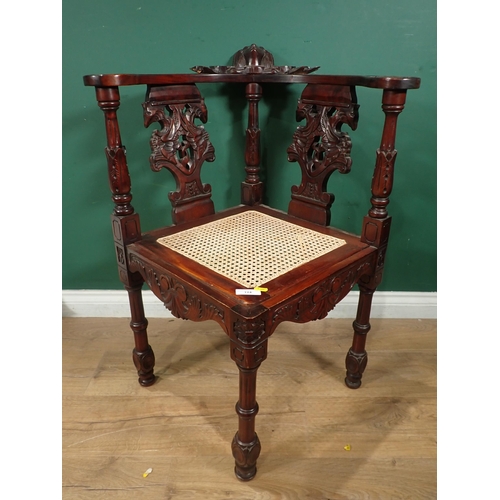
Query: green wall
(384, 37)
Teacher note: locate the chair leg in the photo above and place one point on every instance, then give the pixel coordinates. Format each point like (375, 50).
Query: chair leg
(248, 356)
(357, 357)
(246, 444)
(142, 355)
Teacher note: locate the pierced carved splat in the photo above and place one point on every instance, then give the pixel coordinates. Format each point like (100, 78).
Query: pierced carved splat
(321, 147)
(181, 146)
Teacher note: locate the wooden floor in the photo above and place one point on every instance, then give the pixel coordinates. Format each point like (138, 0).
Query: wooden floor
(182, 426)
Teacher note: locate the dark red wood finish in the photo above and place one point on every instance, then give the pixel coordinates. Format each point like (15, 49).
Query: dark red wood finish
(321, 147)
(376, 82)
(194, 292)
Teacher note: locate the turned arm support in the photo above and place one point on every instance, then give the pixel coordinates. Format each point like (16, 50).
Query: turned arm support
(383, 177)
(125, 223)
(377, 224)
(108, 99)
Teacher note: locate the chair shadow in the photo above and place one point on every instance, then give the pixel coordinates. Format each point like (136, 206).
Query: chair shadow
(380, 406)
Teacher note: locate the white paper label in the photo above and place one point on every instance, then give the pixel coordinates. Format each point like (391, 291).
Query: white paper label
(247, 291)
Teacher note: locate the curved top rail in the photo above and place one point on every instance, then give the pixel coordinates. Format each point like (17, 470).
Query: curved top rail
(380, 82)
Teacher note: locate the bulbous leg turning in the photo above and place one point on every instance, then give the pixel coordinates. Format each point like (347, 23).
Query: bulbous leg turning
(355, 364)
(246, 444)
(142, 355)
(356, 359)
(245, 456)
(144, 362)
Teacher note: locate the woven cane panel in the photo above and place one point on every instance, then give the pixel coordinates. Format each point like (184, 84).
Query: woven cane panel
(251, 248)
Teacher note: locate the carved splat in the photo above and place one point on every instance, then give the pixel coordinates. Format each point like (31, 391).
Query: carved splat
(321, 147)
(181, 146)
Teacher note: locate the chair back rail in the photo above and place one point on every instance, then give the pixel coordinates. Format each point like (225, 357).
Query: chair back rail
(319, 146)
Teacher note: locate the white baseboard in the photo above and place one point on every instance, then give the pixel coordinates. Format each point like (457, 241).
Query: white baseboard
(114, 304)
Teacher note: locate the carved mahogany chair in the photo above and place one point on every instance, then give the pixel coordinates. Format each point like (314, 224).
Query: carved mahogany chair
(207, 265)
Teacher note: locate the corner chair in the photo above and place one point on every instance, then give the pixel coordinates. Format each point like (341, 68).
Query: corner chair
(250, 267)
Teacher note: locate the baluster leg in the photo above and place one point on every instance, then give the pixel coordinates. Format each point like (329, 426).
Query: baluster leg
(252, 188)
(357, 357)
(246, 444)
(143, 356)
(248, 356)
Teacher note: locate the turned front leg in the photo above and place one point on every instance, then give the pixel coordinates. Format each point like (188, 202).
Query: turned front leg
(357, 357)
(142, 355)
(376, 228)
(246, 444)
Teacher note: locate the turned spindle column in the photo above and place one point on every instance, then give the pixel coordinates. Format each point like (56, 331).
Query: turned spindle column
(252, 188)
(108, 99)
(248, 350)
(357, 357)
(392, 104)
(246, 444)
(376, 228)
(126, 229)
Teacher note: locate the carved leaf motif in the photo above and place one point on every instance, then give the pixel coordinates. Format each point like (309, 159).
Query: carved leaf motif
(192, 189)
(120, 256)
(119, 178)
(245, 454)
(320, 143)
(180, 144)
(383, 178)
(176, 298)
(249, 332)
(143, 361)
(316, 304)
(253, 59)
